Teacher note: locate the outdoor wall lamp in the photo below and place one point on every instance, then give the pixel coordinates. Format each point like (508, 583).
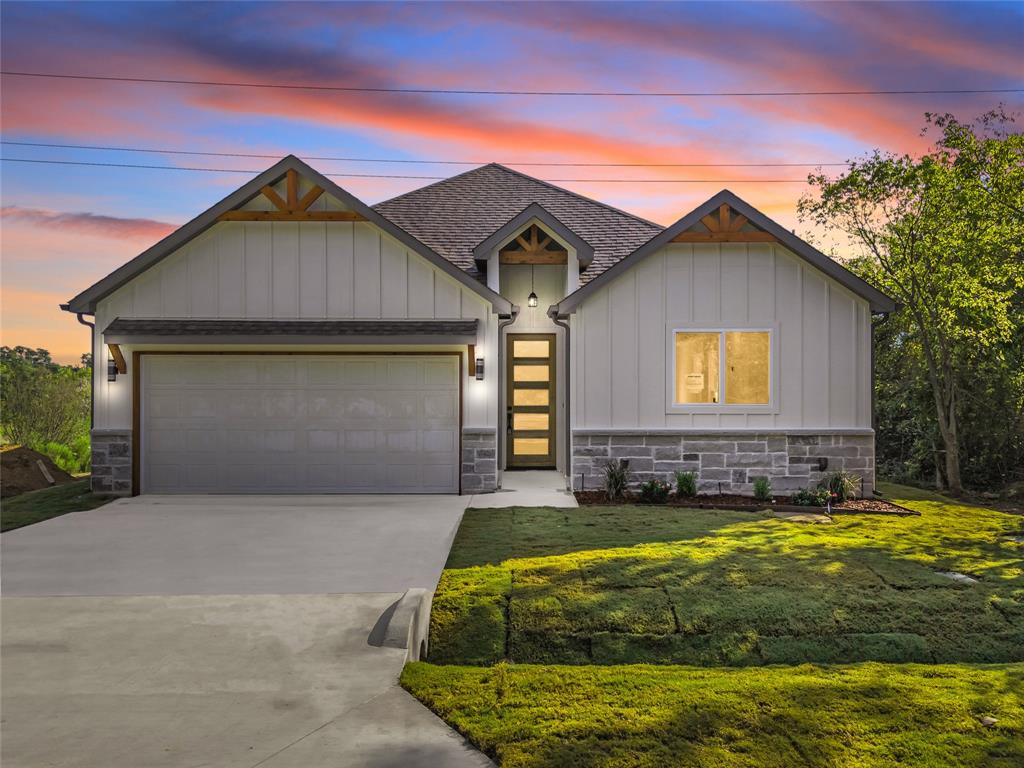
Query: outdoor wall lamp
(479, 369)
(111, 370)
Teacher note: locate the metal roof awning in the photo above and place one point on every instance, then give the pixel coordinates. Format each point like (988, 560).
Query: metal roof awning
(188, 331)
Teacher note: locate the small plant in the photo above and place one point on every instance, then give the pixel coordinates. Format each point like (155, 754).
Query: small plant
(841, 486)
(762, 489)
(811, 497)
(616, 477)
(686, 485)
(654, 492)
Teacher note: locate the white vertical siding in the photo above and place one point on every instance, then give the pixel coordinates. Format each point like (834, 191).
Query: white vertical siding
(822, 339)
(332, 270)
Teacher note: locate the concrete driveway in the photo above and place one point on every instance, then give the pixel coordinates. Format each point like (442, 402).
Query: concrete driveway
(236, 545)
(220, 631)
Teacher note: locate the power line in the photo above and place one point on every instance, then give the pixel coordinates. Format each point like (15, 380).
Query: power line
(493, 92)
(392, 176)
(151, 150)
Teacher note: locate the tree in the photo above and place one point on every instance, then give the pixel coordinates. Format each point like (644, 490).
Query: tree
(40, 401)
(943, 235)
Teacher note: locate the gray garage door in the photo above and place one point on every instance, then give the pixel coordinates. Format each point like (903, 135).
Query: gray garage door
(299, 424)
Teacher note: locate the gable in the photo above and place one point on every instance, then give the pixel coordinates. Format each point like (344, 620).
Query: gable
(290, 194)
(725, 218)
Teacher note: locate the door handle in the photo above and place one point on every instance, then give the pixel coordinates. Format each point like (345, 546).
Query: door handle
(508, 420)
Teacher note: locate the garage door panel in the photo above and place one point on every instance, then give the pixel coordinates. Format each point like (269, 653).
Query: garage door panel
(297, 424)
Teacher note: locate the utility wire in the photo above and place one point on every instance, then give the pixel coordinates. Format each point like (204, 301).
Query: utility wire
(491, 92)
(392, 176)
(151, 150)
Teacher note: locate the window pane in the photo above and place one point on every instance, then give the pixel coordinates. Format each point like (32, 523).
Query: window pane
(697, 367)
(746, 367)
(529, 421)
(530, 397)
(531, 373)
(530, 446)
(530, 348)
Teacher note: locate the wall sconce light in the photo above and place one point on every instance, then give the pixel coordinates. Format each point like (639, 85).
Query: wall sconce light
(111, 370)
(479, 369)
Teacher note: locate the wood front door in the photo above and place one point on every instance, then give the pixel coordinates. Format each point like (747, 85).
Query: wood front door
(530, 425)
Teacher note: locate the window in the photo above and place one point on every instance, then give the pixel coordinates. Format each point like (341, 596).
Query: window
(730, 367)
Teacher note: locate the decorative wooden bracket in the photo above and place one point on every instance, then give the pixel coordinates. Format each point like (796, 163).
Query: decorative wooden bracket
(533, 250)
(292, 209)
(119, 361)
(723, 228)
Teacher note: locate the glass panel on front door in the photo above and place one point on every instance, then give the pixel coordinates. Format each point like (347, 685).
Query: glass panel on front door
(530, 427)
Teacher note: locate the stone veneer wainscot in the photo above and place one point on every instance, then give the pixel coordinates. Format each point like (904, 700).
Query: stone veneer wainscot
(479, 460)
(726, 460)
(112, 461)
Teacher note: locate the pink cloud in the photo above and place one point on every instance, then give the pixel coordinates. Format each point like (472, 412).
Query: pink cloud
(89, 223)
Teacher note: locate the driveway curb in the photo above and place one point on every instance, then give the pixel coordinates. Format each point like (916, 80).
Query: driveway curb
(406, 624)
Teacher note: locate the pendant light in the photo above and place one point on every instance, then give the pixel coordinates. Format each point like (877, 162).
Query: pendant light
(531, 300)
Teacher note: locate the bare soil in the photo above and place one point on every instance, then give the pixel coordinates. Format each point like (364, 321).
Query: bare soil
(19, 472)
(737, 502)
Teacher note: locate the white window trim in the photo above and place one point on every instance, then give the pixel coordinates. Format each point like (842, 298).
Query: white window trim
(772, 406)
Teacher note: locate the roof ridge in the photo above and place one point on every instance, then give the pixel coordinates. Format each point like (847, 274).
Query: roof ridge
(534, 179)
(576, 195)
(433, 184)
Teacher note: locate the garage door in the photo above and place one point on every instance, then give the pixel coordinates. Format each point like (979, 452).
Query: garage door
(299, 424)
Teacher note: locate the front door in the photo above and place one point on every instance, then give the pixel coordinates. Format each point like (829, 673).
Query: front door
(530, 427)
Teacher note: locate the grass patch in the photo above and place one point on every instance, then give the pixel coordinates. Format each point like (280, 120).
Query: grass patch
(650, 717)
(602, 607)
(623, 585)
(36, 506)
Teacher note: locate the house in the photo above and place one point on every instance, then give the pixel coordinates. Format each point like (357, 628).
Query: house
(292, 339)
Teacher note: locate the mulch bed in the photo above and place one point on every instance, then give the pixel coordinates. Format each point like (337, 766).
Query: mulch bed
(736, 502)
(19, 472)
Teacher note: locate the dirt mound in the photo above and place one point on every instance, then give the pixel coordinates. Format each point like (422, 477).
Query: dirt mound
(20, 472)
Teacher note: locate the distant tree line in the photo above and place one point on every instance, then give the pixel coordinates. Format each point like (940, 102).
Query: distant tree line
(45, 406)
(943, 234)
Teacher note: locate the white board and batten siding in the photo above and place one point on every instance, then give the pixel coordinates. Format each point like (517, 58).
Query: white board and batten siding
(293, 270)
(821, 340)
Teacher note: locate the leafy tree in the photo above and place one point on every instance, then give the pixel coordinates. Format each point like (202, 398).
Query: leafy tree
(943, 235)
(41, 401)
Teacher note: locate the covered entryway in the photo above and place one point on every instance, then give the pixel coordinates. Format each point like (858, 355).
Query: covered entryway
(299, 423)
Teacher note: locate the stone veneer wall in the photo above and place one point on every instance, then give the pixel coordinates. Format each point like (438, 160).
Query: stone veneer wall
(479, 460)
(112, 461)
(723, 459)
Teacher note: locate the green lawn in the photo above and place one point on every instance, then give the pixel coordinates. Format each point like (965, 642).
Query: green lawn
(606, 589)
(36, 506)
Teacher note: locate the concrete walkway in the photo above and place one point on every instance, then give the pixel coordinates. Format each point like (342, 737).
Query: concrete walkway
(160, 632)
(527, 488)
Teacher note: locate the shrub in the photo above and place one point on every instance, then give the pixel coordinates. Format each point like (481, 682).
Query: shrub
(616, 478)
(843, 485)
(811, 497)
(654, 492)
(762, 489)
(74, 458)
(686, 485)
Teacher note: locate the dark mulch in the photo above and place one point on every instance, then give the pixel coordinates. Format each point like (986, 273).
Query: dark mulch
(746, 503)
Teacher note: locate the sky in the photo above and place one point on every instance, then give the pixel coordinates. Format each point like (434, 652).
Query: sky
(62, 227)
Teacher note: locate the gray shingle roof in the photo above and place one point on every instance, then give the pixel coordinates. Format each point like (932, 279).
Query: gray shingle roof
(455, 215)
